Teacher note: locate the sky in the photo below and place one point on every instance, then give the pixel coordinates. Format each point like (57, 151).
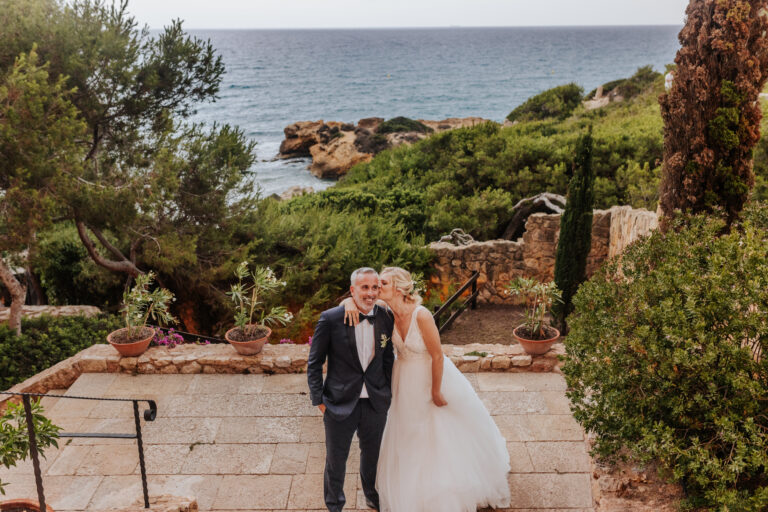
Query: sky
(276, 14)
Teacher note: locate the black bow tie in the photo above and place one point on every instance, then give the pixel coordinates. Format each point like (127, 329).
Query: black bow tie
(370, 317)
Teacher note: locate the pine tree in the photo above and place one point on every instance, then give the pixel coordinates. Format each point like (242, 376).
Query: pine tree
(575, 230)
(711, 113)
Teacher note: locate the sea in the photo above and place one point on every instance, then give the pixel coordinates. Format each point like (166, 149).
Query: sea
(277, 77)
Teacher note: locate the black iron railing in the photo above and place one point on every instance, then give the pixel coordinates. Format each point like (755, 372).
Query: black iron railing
(470, 301)
(149, 415)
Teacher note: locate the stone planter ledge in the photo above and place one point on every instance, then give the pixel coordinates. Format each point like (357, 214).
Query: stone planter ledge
(273, 359)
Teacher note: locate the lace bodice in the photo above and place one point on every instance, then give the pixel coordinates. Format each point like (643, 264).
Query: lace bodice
(412, 347)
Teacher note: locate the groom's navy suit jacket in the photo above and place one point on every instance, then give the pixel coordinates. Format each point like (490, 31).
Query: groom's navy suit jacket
(335, 341)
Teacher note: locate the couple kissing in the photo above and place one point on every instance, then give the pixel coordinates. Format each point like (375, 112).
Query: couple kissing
(427, 442)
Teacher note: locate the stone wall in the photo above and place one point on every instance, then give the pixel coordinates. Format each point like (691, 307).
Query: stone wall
(629, 224)
(500, 261)
(35, 311)
(273, 359)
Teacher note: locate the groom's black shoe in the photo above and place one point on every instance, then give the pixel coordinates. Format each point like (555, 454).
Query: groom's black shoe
(370, 504)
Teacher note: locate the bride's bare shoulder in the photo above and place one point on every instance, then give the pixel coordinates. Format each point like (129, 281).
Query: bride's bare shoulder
(423, 316)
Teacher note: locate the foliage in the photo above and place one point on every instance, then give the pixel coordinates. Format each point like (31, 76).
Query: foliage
(46, 341)
(711, 113)
(539, 299)
(469, 178)
(156, 193)
(316, 250)
(140, 304)
(14, 435)
(575, 238)
(556, 103)
(249, 299)
(67, 275)
(402, 124)
(38, 129)
(630, 87)
(666, 357)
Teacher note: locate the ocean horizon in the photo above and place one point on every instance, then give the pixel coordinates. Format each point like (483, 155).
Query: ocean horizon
(275, 77)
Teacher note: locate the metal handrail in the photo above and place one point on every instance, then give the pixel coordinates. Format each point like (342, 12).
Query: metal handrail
(471, 301)
(149, 415)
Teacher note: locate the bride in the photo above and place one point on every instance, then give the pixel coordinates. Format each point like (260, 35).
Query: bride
(441, 450)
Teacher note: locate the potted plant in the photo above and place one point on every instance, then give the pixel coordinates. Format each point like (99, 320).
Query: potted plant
(14, 446)
(535, 335)
(139, 305)
(249, 295)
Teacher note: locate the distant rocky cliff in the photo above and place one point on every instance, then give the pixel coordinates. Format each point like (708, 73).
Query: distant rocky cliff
(336, 147)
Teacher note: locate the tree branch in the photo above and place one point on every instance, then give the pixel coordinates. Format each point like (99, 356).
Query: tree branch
(111, 248)
(125, 266)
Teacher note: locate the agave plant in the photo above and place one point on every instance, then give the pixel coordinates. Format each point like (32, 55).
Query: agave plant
(250, 293)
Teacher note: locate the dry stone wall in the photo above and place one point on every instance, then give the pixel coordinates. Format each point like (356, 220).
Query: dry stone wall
(533, 255)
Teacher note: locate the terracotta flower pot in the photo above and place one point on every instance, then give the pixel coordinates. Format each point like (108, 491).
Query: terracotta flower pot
(20, 505)
(133, 348)
(536, 347)
(247, 347)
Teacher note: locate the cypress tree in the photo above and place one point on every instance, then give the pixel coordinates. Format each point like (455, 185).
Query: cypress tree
(711, 113)
(575, 230)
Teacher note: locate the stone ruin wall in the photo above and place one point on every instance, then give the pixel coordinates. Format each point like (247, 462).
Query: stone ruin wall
(500, 261)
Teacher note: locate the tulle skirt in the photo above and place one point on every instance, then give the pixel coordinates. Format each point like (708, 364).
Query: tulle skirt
(446, 459)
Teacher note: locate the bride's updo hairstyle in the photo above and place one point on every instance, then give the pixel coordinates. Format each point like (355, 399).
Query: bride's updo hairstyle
(403, 283)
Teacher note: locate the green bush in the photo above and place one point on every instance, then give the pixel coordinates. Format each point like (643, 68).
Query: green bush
(470, 177)
(556, 103)
(643, 78)
(47, 340)
(660, 358)
(402, 124)
(315, 249)
(68, 275)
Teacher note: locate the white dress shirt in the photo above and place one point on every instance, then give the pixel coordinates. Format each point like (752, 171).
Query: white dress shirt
(365, 348)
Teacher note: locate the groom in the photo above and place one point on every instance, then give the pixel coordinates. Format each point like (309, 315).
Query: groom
(356, 393)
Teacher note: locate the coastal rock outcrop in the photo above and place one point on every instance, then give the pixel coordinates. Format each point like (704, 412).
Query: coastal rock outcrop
(336, 147)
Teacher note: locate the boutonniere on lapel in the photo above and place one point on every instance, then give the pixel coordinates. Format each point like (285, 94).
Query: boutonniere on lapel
(384, 341)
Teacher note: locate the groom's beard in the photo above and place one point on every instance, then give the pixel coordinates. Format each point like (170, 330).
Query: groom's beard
(363, 308)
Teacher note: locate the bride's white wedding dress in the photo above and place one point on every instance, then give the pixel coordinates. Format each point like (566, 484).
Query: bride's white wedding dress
(446, 459)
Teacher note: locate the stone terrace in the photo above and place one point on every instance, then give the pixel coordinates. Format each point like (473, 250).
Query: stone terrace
(253, 442)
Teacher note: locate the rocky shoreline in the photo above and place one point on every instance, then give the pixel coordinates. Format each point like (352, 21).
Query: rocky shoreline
(336, 147)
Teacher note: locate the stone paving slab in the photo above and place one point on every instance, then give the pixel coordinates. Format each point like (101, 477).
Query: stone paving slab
(253, 442)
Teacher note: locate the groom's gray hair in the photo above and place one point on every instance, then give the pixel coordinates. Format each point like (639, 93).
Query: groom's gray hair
(359, 272)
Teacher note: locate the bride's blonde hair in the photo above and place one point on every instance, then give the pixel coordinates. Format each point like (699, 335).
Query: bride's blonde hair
(403, 282)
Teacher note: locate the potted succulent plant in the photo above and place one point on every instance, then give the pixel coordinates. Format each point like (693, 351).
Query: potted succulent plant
(251, 315)
(535, 335)
(14, 447)
(139, 305)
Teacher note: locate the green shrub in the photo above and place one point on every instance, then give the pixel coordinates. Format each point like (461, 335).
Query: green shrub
(470, 177)
(402, 124)
(46, 341)
(660, 358)
(556, 103)
(315, 249)
(643, 78)
(68, 275)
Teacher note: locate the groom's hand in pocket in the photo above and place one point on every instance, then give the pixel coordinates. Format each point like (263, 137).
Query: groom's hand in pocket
(322, 408)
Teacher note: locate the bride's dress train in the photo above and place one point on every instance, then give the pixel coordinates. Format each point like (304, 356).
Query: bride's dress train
(438, 459)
